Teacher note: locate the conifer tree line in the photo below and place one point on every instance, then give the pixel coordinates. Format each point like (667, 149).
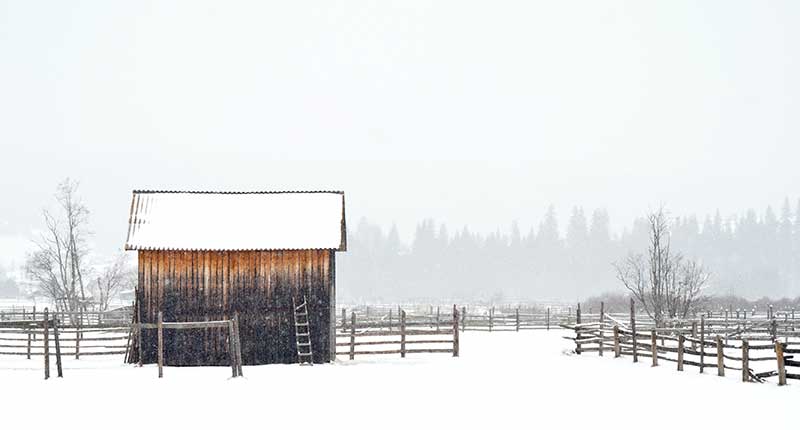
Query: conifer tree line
(753, 254)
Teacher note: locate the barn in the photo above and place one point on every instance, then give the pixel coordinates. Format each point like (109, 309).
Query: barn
(205, 256)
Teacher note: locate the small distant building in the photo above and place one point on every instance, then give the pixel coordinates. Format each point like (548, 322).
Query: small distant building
(206, 255)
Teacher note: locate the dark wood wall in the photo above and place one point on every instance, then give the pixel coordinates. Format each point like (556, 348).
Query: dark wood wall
(212, 285)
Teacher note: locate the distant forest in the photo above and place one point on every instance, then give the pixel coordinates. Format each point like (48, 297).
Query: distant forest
(751, 255)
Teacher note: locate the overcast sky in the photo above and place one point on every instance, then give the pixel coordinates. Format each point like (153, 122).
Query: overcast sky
(476, 113)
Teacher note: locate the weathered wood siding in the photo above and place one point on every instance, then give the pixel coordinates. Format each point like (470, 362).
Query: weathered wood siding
(212, 285)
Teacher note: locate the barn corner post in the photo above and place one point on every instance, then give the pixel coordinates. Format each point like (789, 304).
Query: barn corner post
(578, 330)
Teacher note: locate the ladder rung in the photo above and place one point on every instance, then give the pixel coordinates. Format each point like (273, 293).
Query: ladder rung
(301, 324)
(304, 353)
(304, 344)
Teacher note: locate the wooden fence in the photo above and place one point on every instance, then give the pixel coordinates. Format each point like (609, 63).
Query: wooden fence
(25, 331)
(471, 318)
(757, 348)
(234, 344)
(407, 334)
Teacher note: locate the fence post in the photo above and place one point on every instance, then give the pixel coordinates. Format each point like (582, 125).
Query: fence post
(231, 349)
(578, 329)
(720, 357)
(517, 315)
(694, 335)
(702, 342)
(352, 335)
(402, 334)
(29, 343)
(437, 319)
(548, 318)
(681, 340)
(654, 347)
(46, 337)
(455, 331)
(745, 361)
(390, 320)
(463, 318)
(59, 370)
(491, 318)
(773, 330)
(344, 319)
(600, 342)
(633, 332)
(78, 339)
(238, 344)
(781, 364)
(616, 341)
(161, 346)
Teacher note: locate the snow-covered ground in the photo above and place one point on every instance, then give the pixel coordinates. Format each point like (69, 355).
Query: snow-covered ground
(524, 379)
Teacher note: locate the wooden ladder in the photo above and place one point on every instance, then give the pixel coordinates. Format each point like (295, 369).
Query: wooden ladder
(302, 329)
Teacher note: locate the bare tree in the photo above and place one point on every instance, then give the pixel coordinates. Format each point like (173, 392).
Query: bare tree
(58, 266)
(665, 283)
(115, 278)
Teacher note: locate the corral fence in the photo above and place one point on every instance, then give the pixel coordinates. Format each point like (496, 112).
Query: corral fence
(758, 348)
(26, 331)
(84, 333)
(405, 334)
(471, 318)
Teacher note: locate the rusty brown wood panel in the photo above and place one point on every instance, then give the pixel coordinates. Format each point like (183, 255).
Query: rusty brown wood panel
(213, 285)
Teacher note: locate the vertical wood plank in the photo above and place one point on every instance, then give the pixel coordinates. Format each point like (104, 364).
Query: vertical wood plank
(720, 357)
(160, 345)
(681, 342)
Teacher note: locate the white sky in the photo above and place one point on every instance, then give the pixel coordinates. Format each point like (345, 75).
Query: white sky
(474, 113)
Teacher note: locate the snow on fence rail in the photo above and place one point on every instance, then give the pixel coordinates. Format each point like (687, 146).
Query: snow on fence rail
(407, 334)
(758, 349)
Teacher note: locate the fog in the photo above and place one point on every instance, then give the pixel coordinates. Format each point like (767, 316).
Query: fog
(475, 114)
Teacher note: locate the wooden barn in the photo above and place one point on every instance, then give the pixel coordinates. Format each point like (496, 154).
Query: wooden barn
(204, 256)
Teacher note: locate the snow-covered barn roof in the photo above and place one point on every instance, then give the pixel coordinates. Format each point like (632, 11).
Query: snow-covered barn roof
(236, 221)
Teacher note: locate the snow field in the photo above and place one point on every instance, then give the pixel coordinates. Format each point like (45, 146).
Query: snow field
(525, 379)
